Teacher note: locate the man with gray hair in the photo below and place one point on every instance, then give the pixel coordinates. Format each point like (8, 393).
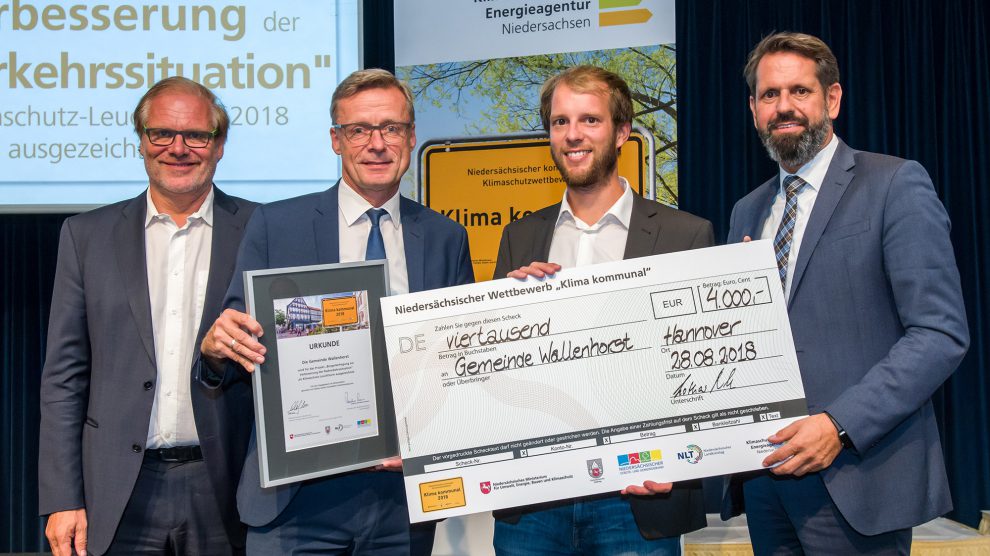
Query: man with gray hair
(876, 311)
(135, 455)
(363, 217)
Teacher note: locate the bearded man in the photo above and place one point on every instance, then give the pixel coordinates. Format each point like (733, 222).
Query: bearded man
(876, 311)
(588, 112)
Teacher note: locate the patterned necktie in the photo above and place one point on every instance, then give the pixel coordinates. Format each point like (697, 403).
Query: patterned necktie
(782, 241)
(376, 245)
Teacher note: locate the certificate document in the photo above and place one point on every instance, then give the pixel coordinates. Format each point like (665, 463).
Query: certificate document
(327, 376)
(662, 368)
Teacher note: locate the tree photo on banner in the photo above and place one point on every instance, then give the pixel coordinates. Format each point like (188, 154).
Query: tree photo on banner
(502, 96)
(488, 96)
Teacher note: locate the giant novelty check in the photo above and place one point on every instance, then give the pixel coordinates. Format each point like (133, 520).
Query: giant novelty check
(662, 368)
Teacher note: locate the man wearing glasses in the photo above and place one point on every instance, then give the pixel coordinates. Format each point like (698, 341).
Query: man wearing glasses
(362, 217)
(135, 456)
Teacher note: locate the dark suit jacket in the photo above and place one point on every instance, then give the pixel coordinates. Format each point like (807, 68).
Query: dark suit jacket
(654, 229)
(304, 231)
(878, 321)
(95, 407)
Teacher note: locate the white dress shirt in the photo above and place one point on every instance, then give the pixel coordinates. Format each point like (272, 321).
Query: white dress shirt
(575, 243)
(178, 266)
(814, 173)
(354, 225)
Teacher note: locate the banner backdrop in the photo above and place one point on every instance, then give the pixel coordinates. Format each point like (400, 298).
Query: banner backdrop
(476, 68)
(72, 72)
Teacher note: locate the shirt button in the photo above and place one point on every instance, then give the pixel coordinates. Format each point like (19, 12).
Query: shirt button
(148, 385)
(136, 448)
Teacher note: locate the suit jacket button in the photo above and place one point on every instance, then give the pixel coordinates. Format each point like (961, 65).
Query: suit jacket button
(148, 385)
(136, 448)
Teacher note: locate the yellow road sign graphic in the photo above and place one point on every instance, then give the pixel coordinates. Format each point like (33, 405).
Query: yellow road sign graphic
(485, 184)
(339, 311)
(442, 495)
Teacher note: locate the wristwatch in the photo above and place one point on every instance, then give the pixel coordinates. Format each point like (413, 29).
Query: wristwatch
(844, 439)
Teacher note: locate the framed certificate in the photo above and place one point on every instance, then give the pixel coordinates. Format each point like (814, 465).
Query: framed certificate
(322, 398)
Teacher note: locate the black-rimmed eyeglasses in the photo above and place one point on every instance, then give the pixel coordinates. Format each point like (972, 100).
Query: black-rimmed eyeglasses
(163, 137)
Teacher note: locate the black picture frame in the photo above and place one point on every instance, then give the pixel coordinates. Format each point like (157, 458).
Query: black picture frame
(262, 288)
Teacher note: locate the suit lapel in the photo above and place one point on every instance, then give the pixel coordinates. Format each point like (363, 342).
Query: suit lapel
(754, 226)
(837, 179)
(544, 234)
(128, 237)
(325, 226)
(644, 229)
(223, 256)
(414, 243)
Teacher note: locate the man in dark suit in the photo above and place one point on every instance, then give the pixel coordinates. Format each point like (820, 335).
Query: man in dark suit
(135, 455)
(876, 312)
(588, 112)
(361, 218)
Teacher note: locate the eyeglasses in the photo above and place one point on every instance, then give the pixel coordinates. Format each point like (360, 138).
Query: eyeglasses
(163, 137)
(360, 133)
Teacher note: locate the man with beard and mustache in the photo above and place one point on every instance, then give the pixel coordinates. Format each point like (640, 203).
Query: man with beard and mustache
(876, 313)
(588, 112)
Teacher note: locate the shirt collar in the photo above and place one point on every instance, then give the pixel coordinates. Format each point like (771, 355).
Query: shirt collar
(354, 206)
(204, 212)
(814, 171)
(621, 210)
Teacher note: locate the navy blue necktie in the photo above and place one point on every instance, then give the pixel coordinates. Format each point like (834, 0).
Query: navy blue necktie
(376, 245)
(782, 241)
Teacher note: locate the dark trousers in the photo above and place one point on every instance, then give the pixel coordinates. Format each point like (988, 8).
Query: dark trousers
(355, 514)
(789, 515)
(593, 526)
(172, 511)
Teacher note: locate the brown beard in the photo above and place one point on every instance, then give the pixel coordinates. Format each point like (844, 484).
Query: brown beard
(600, 169)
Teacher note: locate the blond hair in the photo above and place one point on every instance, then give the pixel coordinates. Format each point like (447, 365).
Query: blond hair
(218, 114)
(590, 79)
(374, 78)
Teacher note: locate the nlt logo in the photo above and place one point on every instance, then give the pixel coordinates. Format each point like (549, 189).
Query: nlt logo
(621, 17)
(693, 454)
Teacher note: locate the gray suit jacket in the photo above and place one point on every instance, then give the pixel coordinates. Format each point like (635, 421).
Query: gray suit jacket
(96, 387)
(878, 321)
(654, 229)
